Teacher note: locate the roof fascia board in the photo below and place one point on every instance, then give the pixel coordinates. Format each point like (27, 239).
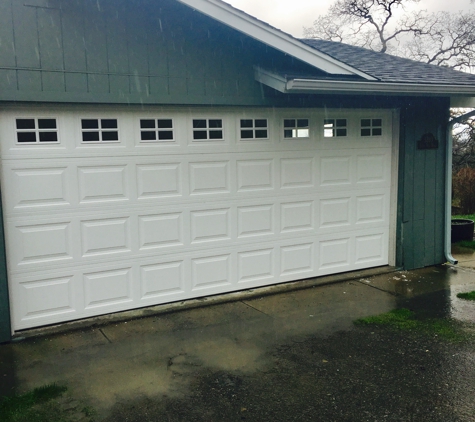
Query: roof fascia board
(273, 37)
(372, 88)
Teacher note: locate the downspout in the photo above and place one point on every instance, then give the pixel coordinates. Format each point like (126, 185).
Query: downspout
(448, 184)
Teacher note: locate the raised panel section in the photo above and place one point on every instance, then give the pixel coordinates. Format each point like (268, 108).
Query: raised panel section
(370, 248)
(297, 259)
(43, 243)
(296, 216)
(105, 236)
(370, 209)
(211, 272)
(297, 173)
(41, 298)
(208, 178)
(335, 171)
(107, 288)
(370, 168)
(161, 279)
(106, 183)
(255, 175)
(209, 225)
(40, 187)
(255, 265)
(161, 230)
(255, 220)
(158, 180)
(334, 212)
(334, 253)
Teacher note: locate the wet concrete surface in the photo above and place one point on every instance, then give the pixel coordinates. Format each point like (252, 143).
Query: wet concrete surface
(295, 356)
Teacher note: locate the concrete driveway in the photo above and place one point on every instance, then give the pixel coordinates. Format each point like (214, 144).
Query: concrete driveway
(293, 356)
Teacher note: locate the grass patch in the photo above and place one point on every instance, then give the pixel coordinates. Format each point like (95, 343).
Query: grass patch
(464, 216)
(470, 244)
(404, 319)
(467, 296)
(33, 406)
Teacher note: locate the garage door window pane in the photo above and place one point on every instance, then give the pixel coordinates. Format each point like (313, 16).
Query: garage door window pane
(99, 130)
(25, 124)
(26, 137)
(162, 130)
(253, 129)
(208, 130)
(335, 128)
(371, 127)
(296, 128)
(32, 130)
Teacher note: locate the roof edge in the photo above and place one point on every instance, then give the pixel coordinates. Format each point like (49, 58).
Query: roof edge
(253, 27)
(316, 86)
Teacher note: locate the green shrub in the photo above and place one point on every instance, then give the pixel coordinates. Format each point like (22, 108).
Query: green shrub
(464, 189)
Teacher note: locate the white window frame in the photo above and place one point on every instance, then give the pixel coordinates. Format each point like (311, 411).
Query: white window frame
(37, 131)
(99, 130)
(157, 130)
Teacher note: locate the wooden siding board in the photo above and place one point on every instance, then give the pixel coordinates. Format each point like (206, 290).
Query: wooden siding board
(7, 45)
(119, 84)
(50, 38)
(159, 87)
(76, 82)
(29, 81)
(94, 30)
(53, 81)
(74, 47)
(5, 324)
(8, 80)
(26, 35)
(138, 44)
(430, 204)
(157, 53)
(98, 84)
(117, 42)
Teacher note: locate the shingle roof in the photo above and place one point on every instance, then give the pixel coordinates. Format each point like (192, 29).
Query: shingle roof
(389, 68)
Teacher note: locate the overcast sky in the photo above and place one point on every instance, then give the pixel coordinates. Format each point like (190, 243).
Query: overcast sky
(292, 15)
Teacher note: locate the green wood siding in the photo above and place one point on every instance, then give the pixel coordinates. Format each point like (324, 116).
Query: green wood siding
(421, 184)
(128, 51)
(5, 328)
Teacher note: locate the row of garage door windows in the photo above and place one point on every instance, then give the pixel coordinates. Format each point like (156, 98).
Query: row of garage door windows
(35, 130)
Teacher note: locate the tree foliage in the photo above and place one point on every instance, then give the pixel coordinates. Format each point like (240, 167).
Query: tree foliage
(394, 26)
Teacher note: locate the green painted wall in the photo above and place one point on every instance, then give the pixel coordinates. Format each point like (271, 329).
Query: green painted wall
(128, 51)
(5, 329)
(421, 195)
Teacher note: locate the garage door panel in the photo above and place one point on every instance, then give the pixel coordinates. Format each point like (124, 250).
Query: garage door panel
(162, 279)
(256, 266)
(157, 181)
(42, 243)
(103, 183)
(93, 229)
(255, 175)
(298, 216)
(297, 173)
(36, 187)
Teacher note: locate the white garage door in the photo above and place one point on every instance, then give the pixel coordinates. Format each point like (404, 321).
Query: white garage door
(108, 209)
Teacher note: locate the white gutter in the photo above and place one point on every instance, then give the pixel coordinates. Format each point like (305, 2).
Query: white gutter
(285, 85)
(371, 88)
(448, 186)
(248, 25)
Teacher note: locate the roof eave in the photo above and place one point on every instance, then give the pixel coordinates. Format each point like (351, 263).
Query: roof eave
(460, 94)
(377, 88)
(273, 37)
